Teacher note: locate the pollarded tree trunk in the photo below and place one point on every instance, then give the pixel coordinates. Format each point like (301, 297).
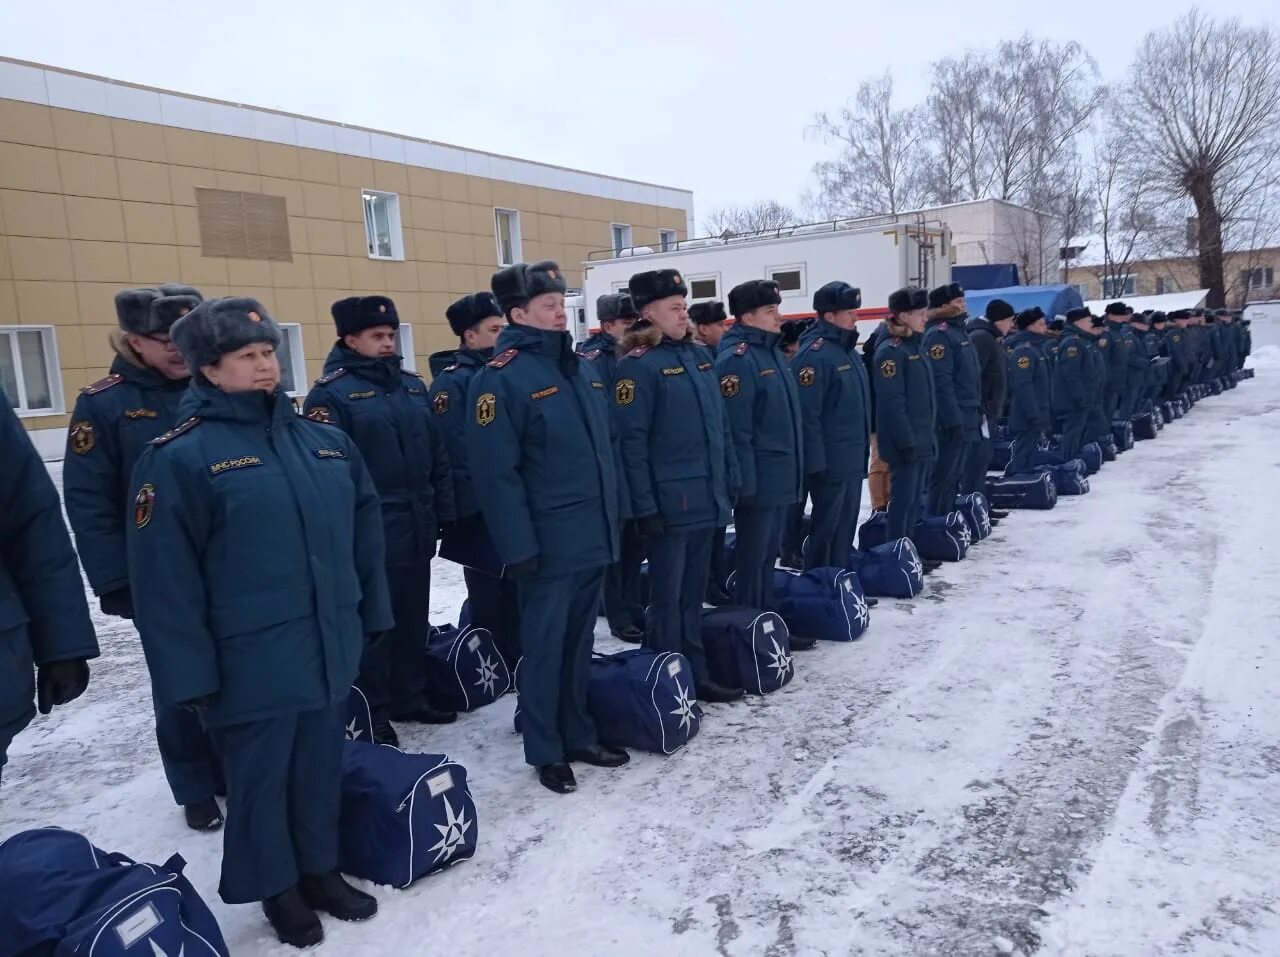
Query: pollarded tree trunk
(1210, 253)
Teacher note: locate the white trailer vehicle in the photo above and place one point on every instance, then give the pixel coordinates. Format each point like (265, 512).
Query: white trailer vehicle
(878, 256)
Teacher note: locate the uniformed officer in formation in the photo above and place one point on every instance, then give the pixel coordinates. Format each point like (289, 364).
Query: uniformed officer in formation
(46, 634)
(764, 417)
(1145, 373)
(1118, 350)
(679, 463)
(539, 433)
(492, 599)
(259, 536)
(835, 403)
(957, 389)
(794, 523)
(1178, 349)
(986, 333)
(905, 407)
(1080, 376)
(386, 409)
(710, 322)
(623, 607)
(1029, 395)
(111, 424)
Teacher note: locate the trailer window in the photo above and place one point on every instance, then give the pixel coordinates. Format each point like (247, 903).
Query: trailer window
(790, 279)
(704, 287)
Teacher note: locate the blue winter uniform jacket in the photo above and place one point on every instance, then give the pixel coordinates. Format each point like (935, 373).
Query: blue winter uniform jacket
(1138, 362)
(956, 375)
(256, 556)
(1077, 373)
(112, 423)
(1029, 395)
(1178, 349)
(835, 402)
(601, 350)
(451, 375)
(43, 613)
(387, 412)
(764, 416)
(673, 435)
(1121, 337)
(905, 403)
(538, 431)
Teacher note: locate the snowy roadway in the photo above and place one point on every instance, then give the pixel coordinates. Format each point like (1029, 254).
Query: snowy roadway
(1069, 744)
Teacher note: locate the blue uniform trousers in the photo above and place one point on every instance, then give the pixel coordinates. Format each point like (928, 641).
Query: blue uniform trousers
(1111, 404)
(759, 537)
(495, 605)
(284, 794)
(557, 627)
(793, 536)
(622, 604)
(191, 762)
(945, 478)
(678, 562)
(835, 513)
(1022, 455)
(977, 460)
(1073, 433)
(406, 682)
(720, 569)
(906, 485)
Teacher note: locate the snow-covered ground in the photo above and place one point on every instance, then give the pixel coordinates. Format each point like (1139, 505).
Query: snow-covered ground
(1069, 744)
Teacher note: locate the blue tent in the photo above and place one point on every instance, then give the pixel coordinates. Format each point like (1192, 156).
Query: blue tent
(1054, 300)
(988, 276)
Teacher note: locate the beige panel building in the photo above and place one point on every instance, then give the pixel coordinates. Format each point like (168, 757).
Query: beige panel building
(105, 185)
(1251, 275)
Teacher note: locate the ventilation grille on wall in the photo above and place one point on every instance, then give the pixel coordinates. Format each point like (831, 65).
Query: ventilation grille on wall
(243, 225)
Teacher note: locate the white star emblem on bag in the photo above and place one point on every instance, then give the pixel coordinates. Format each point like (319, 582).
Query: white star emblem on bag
(488, 672)
(452, 832)
(684, 708)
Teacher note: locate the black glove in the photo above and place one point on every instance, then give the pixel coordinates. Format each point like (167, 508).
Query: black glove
(522, 569)
(118, 603)
(907, 454)
(950, 433)
(651, 526)
(196, 705)
(61, 681)
(815, 480)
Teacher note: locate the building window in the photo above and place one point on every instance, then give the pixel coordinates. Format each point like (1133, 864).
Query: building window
(404, 346)
(790, 279)
(1260, 277)
(1083, 289)
(243, 225)
(668, 239)
(703, 287)
(1114, 287)
(507, 230)
(293, 366)
(619, 286)
(29, 369)
(1165, 285)
(621, 238)
(383, 235)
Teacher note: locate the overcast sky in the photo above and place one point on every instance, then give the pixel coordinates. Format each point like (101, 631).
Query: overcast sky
(709, 96)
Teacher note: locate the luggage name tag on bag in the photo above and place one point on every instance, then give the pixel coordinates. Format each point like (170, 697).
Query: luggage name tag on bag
(767, 628)
(673, 667)
(474, 643)
(986, 432)
(848, 585)
(439, 783)
(138, 925)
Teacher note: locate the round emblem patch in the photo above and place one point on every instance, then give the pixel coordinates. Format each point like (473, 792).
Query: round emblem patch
(624, 393)
(937, 352)
(1102, 343)
(807, 375)
(729, 386)
(81, 437)
(143, 505)
(888, 368)
(1024, 363)
(1072, 352)
(486, 408)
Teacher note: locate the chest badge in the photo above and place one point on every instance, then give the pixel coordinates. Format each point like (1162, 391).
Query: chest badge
(1024, 362)
(1072, 352)
(82, 438)
(937, 352)
(486, 409)
(143, 505)
(624, 393)
(729, 386)
(888, 368)
(440, 403)
(807, 376)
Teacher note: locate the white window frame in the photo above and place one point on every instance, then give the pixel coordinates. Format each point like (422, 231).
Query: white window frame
(668, 240)
(771, 272)
(1083, 289)
(297, 360)
(622, 285)
(620, 238)
(1127, 286)
(514, 223)
(53, 369)
(393, 225)
(1260, 272)
(404, 346)
(1165, 285)
(703, 277)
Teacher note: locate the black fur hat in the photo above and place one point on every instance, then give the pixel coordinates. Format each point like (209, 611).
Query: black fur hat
(1157, 316)
(1118, 309)
(133, 310)
(1075, 315)
(945, 294)
(176, 289)
(470, 311)
(355, 314)
(615, 305)
(1179, 314)
(791, 331)
(908, 299)
(167, 310)
(647, 287)
(751, 295)
(514, 286)
(218, 326)
(1029, 317)
(837, 297)
(998, 310)
(705, 313)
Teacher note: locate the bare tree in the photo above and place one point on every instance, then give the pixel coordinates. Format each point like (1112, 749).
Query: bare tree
(1203, 101)
(881, 161)
(961, 114)
(1124, 194)
(761, 216)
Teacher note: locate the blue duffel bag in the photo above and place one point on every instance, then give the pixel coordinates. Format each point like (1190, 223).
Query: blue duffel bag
(464, 668)
(874, 531)
(1091, 455)
(824, 603)
(1122, 432)
(942, 538)
(644, 699)
(1047, 453)
(747, 648)
(1068, 478)
(1024, 490)
(891, 570)
(1144, 426)
(403, 815)
(975, 511)
(1001, 453)
(62, 897)
(359, 716)
(1108, 445)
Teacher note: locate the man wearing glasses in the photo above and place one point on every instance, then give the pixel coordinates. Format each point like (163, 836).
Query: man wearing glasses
(113, 422)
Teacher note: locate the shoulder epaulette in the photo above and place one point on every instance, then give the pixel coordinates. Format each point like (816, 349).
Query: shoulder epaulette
(416, 375)
(102, 385)
(637, 352)
(817, 344)
(895, 341)
(741, 348)
(942, 326)
(177, 430)
(591, 354)
(330, 377)
(452, 368)
(500, 360)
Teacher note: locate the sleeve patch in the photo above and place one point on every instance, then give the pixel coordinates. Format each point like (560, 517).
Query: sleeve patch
(938, 351)
(730, 385)
(1072, 352)
(321, 414)
(888, 368)
(143, 505)
(1024, 362)
(624, 392)
(81, 435)
(807, 376)
(486, 409)
(441, 402)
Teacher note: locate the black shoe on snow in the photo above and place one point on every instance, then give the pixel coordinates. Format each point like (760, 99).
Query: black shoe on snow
(997, 513)
(600, 756)
(383, 733)
(803, 644)
(872, 602)
(558, 777)
(628, 633)
(331, 893)
(717, 694)
(293, 920)
(427, 715)
(929, 566)
(203, 815)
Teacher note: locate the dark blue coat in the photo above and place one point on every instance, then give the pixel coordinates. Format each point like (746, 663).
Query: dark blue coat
(1029, 395)
(1121, 345)
(451, 374)
(256, 556)
(1077, 373)
(835, 402)
(764, 416)
(956, 375)
(905, 403)
(673, 435)
(43, 613)
(387, 411)
(601, 350)
(991, 364)
(1178, 349)
(538, 431)
(112, 423)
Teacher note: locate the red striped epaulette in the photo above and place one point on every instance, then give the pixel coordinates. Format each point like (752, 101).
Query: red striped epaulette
(502, 359)
(741, 348)
(817, 344)
(592, 354)
(102, 385)
(177, 430)
(330, 377)
(637, 352)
